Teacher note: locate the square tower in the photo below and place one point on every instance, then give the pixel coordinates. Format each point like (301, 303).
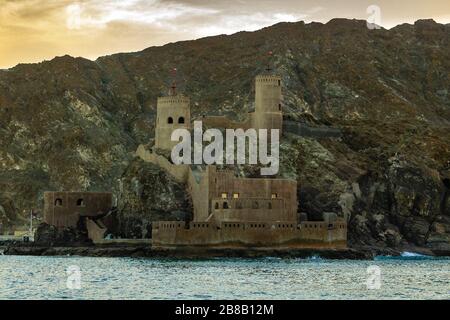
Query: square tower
(268, 111)
(173, 112)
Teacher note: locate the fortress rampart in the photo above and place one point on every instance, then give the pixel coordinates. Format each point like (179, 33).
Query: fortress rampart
(178, 172)
(250, 234)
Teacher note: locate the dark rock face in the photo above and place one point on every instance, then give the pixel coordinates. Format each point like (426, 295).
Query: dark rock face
(149, 194)
(72, 124)
(8, 212)
(402, 207)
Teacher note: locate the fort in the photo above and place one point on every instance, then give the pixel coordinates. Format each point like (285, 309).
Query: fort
(229, 211)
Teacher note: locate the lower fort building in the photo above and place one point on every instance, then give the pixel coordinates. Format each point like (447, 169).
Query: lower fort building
(246, 212)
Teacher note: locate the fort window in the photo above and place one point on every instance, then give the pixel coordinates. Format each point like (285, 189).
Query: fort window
(274, 195)
(170, 120)
(279, 107)
(279, 82)
(181, 120)
(225, 205)
(217, 205)
(224, 195)
(58, 203)
(235, 195)
(80, 203)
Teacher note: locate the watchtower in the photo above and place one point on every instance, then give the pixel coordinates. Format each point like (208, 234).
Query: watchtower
(268, 110)
(172, 112)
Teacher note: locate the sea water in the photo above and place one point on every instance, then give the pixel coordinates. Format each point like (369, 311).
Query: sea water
(406, 277)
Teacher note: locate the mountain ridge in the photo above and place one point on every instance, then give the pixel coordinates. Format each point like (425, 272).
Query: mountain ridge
(430, 22)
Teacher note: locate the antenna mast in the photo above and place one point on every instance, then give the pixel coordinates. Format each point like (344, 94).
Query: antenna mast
(173, 88)
(269, 60)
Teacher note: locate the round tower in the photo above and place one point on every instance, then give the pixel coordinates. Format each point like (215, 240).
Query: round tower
(173, 112)
(268, 111)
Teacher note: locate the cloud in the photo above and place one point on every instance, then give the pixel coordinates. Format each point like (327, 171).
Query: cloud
(33, 30)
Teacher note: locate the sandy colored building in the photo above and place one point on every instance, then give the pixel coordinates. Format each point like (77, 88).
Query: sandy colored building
(246, 212)
(232, 211)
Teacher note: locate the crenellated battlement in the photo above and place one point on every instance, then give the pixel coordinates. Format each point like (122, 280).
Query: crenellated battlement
(268, 79)
(179, 99)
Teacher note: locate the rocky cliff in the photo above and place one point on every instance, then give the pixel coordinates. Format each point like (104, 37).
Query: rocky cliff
(71, 124)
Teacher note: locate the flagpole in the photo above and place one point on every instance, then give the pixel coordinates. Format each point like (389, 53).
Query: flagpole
(31, 222)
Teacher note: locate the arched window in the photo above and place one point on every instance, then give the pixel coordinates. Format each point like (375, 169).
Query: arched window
(58, 202)
(181, 120)
(279, 107)
(225, 205)
(80, 203)
(217, 205)
(170, 120)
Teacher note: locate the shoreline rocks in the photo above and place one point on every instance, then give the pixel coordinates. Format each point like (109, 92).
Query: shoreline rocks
(188, 253)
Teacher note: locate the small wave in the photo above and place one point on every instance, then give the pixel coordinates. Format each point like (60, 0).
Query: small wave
(406, 255)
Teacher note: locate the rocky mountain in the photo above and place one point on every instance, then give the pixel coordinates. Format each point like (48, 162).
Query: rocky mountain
(73, 124)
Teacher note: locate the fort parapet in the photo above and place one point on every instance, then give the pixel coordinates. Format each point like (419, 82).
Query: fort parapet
(250, 234)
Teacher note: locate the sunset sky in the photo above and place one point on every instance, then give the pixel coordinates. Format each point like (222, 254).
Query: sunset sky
(36, 30)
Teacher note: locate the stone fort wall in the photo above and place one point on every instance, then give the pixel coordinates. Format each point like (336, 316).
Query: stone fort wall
(178, 172)
(250, 234)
